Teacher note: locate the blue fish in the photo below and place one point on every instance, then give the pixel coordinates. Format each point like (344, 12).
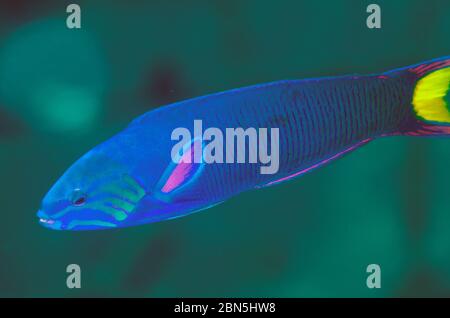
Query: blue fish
(149, 173)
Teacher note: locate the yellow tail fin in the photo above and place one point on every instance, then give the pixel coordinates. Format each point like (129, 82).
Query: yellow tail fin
(431, 99)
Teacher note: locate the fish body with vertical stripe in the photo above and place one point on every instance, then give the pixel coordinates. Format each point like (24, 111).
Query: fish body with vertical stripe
(133, 178)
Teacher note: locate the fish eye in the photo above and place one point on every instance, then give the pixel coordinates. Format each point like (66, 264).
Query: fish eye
(78, 197)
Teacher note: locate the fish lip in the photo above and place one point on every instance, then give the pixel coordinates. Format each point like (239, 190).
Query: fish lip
(51, 224)
(48, 222)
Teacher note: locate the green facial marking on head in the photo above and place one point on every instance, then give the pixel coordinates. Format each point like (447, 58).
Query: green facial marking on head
(134, 184)
(116, 190)
(124, 193)
(128, 207)
(117, 214)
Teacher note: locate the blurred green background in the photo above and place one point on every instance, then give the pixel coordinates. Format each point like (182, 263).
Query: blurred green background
(63, 91)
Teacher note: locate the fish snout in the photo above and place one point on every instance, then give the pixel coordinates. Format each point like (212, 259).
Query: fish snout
(48, 222)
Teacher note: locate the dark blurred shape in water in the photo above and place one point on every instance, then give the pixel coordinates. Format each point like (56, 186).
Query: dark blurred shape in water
(164, 84)
(15, 9)
(10, 125)
(151, 263)
(20, 11)
(424, 283)
(10, 279)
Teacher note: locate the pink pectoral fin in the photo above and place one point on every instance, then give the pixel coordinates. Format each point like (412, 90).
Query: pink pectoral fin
(181, 172)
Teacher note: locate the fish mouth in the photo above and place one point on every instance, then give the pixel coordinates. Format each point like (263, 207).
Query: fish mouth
(51, 224)
(47, 222)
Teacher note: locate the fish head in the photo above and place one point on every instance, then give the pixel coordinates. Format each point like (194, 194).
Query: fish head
(96, 192)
